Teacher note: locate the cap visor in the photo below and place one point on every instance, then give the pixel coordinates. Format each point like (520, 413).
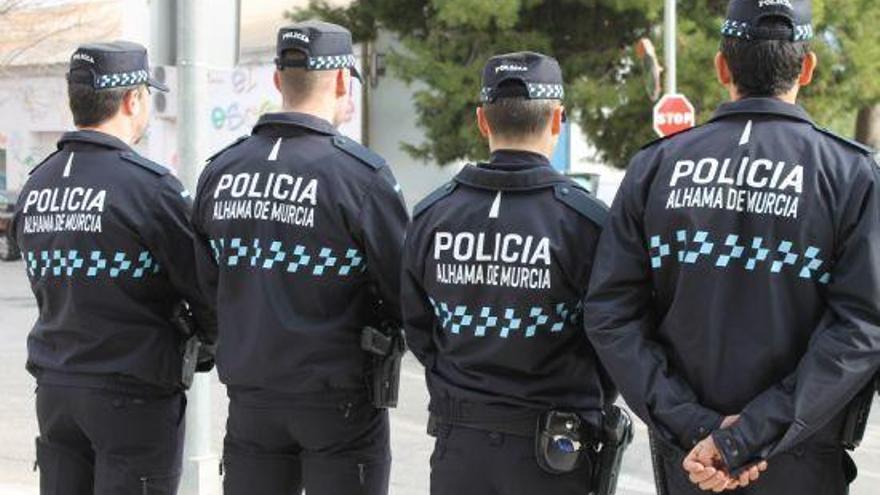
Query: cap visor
(355, 73)
(156, 84)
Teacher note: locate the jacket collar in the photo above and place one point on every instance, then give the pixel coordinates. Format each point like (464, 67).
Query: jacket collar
(93, 137)
(515, 160)
(296, 119)
(762, 106)
(511, 170)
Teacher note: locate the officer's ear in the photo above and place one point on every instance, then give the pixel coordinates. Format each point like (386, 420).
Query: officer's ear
(131, 102)
(276, 78)
(557, 120)
(808, 68)
(341, 83)
(722, 70)
(482, 123)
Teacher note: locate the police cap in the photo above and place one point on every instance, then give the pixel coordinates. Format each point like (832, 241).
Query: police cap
(744, 18)
(119, 64)
(326, 47)
(523, 74)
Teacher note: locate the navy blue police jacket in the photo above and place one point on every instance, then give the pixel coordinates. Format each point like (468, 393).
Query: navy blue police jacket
(496, 264)
(738, 274)
(304, 230)
(110, 256)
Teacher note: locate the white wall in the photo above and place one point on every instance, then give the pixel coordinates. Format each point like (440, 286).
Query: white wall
(35, 114)
(393, 122)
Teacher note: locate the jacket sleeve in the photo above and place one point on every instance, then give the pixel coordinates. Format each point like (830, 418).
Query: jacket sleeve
(381, 224)
(173, 242)
(843, 354)
(419, 318)
(620, 324)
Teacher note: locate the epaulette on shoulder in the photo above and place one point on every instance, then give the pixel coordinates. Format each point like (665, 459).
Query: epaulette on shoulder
(145, 163)
(582, 202)
(861, 148)
(34, 169)
(359, 151)
(664, 138)
(429, 200)
(235, 143)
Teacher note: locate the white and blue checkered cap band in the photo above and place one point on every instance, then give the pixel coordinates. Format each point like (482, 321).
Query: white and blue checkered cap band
(122, 79)
(803, 32)
(540, 91)
(742, 29)
(537, 91)
(330, 62)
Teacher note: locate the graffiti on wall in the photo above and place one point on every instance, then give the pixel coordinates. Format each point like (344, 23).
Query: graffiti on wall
(238, 98)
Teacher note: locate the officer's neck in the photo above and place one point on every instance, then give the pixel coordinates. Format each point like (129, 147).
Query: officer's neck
(541, 147)
(316, 108)
(117, 127)
(787, 97)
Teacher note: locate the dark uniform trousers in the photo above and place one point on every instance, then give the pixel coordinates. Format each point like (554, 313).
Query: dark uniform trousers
(104, 442)
(327, 446)
(469, 461)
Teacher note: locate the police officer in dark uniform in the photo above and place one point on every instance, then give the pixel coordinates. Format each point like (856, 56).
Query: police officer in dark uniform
(110, 256)
(736, 299)
(496, 264)
(306, 228)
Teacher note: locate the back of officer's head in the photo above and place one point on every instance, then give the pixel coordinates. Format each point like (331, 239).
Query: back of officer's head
(107, 88)
(298, 85)
(765, 68)
(315, 63)
(93, 107)
(516, 118)
(310, 91)
(521, 102)
(765, 50)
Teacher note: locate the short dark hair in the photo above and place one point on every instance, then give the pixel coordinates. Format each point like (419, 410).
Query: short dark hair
(297, 83)
(91, 106)
(765, 68)
(518, 118)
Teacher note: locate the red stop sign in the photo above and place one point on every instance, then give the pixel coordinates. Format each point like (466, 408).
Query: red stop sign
(673, 113)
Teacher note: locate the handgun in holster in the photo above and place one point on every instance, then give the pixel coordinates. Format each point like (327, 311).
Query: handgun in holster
(185, 323)
(617, 435)
(857, 415)
(385, 348)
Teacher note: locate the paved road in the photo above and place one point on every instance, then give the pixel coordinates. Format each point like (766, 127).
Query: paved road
(411, 446)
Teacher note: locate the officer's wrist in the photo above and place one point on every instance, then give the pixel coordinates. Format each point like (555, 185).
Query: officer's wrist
(703, 425)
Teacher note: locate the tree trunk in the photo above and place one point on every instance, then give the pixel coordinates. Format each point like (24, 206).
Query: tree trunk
(868, 126)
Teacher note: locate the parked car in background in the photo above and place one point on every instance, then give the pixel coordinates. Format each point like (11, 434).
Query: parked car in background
(8, 248)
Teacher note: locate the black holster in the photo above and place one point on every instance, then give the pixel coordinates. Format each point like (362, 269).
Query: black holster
(185, 323)
(857, 415)
(617, 435)
(385, 349)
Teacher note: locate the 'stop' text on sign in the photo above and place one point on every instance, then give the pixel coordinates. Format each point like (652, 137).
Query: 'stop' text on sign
(672, 114)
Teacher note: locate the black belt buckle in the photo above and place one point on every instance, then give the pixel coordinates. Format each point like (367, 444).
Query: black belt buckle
(559, 442)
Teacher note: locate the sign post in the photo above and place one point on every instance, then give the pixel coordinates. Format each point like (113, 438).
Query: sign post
(674, 112)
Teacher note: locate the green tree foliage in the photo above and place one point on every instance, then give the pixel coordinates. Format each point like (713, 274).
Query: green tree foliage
(446, 42)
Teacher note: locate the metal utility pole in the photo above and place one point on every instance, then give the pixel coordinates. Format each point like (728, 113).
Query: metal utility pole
(669, 53)
(207, 37)
(193, 23)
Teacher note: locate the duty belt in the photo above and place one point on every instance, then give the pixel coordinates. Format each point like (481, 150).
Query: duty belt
(517, 421)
